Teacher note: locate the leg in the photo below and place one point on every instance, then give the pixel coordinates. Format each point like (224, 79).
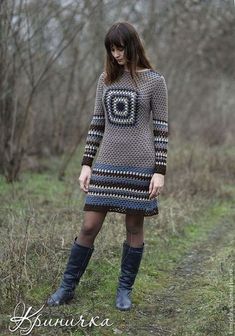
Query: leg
(92, 224)
(134, 230)
(132, 253)
(79, 258)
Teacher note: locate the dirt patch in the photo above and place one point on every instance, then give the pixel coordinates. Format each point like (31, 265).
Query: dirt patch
(192, 263)
(167, 306)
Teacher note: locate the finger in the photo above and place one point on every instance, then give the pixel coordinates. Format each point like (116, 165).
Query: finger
(153, 193)
(160, 189)
(157, 191)
(150, 186)
(87, 183)
(82, 186)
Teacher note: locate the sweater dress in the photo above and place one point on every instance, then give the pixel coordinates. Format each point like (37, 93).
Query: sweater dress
(129, 126)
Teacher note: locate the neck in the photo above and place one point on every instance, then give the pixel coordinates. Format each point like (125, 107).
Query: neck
(137, 69)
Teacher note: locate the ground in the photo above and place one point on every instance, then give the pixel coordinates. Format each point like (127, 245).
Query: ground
(185, 283)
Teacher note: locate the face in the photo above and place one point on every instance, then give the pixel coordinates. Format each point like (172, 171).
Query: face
(118, 54)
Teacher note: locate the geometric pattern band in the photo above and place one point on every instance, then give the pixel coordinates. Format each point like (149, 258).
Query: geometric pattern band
(122, 189)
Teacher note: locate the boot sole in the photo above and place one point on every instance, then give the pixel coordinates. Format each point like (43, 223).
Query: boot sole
(61, 303)
(123, 309)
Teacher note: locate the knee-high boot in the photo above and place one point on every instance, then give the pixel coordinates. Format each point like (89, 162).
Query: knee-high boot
(131, 258)
(76, 266)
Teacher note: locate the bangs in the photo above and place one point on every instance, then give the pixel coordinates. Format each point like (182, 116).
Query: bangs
(114, 38)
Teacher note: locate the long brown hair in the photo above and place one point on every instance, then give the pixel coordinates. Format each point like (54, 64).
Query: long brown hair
(123, 34)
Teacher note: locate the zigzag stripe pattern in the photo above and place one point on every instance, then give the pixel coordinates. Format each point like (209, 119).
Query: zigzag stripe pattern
(159, 103)
(96, 128)
(94, 137)
(129, 194)
(160, 131)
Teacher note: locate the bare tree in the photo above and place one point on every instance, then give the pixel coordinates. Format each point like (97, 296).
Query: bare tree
(52, 52)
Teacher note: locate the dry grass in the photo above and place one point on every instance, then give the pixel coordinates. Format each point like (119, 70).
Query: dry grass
(40, 217)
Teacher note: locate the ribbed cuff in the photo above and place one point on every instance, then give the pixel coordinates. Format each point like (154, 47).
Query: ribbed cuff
(160, 169)
(87, 161)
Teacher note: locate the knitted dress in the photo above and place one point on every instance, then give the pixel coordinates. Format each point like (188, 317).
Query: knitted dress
(130, 127)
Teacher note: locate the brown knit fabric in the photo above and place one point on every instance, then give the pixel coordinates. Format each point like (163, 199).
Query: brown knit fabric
(130, 128)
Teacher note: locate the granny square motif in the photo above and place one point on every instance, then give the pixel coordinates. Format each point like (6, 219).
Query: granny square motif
(121, 105)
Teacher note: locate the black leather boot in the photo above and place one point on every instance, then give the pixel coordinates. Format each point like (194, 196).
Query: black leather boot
(76, 266)
(131, 258)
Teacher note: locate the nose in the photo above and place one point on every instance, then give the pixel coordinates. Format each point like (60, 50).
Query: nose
(116, 54)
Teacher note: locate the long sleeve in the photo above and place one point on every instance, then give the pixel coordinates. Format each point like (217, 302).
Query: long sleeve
(159, 105)
(97, 126)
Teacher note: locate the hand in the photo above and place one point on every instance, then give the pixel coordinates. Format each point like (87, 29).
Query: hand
(84, 178)
(156, 185)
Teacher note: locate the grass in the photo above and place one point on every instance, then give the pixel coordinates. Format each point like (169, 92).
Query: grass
(193, 232)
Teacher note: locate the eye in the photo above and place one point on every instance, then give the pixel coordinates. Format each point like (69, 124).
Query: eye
(119, 48)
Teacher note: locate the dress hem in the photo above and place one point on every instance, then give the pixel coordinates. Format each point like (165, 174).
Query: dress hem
(103, 208)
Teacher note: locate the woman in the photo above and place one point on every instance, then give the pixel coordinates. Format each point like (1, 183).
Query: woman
(128, 174)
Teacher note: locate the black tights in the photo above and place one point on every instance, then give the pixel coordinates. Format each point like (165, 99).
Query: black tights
(93, 221)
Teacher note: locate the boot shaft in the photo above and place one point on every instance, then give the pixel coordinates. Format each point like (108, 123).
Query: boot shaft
(77, 263)
(76, 266)
(131, 259)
